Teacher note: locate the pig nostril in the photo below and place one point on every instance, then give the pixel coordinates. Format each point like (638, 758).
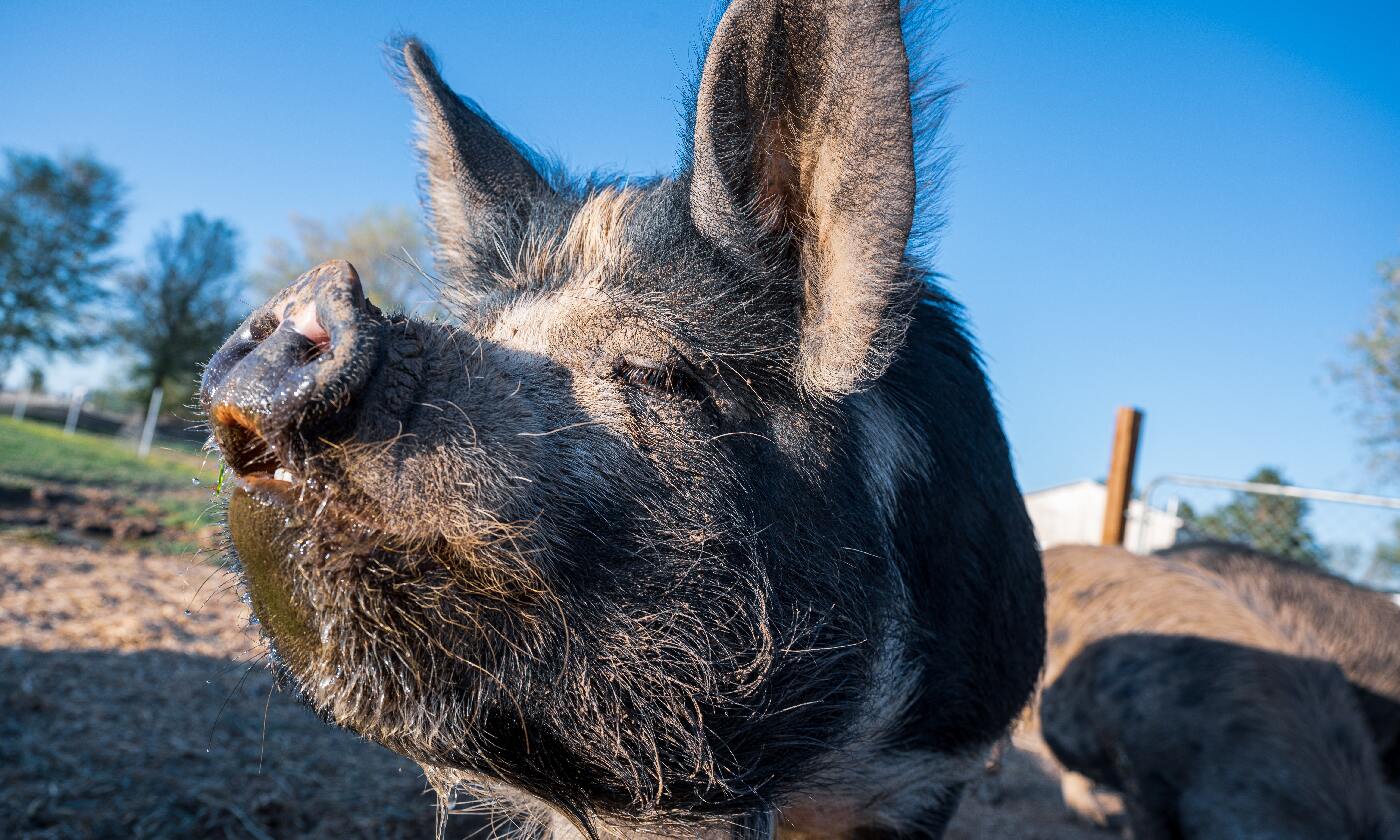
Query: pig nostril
(291, 370)
(261, 327)
(305, 321)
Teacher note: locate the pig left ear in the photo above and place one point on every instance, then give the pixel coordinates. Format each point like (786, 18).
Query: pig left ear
(476, 178)
(804, 141)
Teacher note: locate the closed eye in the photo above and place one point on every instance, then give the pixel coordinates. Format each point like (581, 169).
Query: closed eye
(669, 379)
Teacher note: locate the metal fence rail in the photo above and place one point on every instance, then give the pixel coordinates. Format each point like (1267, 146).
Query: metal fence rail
(1356, 535)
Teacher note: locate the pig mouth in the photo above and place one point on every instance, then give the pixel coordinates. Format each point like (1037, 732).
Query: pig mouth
(293, 532)
(297, 469)
(312, 574)
(262, 474)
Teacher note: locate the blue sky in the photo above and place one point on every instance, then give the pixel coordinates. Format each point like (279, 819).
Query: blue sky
(1177, 205)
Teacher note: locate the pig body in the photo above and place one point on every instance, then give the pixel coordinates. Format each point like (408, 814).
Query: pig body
(695, 518)
(1356, 628)
(1208, 739)
(1165, 684)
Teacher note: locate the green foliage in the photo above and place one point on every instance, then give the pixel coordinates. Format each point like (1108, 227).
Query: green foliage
(181, 305)
(1373, 370)
(1276, 524)
(1387, 554)
(58, 219)
(386, 246)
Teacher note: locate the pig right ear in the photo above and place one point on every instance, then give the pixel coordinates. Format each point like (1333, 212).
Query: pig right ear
(804, 142)
(476, 178)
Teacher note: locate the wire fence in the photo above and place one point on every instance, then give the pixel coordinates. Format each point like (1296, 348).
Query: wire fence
(1351, 534)
(143, 426)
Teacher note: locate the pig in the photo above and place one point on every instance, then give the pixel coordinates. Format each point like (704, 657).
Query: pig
(1166, 687)
(1093, 593)
(693, 516)
(1357, 628)
(1208, 739)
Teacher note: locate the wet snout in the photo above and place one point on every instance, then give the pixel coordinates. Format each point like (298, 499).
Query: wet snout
(292, 371)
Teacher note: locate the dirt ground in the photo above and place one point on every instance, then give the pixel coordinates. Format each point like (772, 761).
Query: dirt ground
(1020, 803)
(122, 715)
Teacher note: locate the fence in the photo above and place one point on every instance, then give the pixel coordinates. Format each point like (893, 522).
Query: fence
(1351, 534)
(72, 411)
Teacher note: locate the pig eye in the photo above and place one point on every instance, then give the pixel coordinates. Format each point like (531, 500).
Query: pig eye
(671, 379)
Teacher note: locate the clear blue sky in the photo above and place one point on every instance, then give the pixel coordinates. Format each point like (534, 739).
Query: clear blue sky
(1177, 205)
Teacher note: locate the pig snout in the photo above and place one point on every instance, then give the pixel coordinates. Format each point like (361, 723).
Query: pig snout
(292, 369)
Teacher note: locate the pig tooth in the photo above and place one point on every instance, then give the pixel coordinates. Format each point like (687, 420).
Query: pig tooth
(282, 474)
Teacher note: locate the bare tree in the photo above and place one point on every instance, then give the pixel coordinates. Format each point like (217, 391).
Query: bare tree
(182, 304)
(386, 246)
(57, 221)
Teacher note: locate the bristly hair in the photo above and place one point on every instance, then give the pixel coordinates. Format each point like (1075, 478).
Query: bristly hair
(550, 165)
(393, 56)
(922, 23)
(501, 240)
(501, 258)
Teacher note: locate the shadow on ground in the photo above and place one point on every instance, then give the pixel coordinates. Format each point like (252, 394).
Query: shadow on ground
(101, 744)
(134, 703)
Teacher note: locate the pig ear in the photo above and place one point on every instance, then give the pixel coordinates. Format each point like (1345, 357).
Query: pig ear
(476, 177)
(804, 142)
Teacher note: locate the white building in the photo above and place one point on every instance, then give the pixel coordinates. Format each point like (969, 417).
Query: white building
(1070, 514)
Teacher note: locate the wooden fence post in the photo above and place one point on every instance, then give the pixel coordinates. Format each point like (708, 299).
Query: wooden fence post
(1126, 430)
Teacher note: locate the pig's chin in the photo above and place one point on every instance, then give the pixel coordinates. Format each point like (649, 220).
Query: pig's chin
(258, 520)
(314, 618)
(277, 545)
(337, 597)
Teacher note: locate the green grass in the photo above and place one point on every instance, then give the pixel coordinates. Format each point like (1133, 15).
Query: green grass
(31, 453)
(161, 484)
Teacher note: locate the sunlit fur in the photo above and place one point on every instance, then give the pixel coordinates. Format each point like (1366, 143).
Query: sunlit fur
(619, 608)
